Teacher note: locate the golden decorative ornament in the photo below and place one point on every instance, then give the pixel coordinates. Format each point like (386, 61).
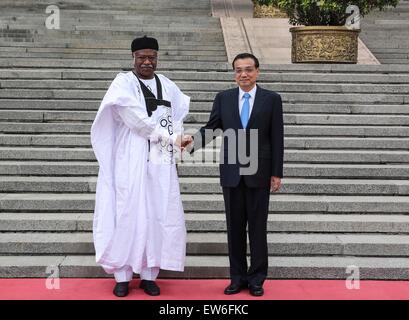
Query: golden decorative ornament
(322, 44)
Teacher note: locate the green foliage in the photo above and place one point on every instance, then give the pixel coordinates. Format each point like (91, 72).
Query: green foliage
(324, 12)
(267, 2)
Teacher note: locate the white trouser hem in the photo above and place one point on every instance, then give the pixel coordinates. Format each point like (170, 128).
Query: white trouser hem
(124, 274)
(149, 273)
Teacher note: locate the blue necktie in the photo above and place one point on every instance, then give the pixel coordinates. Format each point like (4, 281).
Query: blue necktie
(245, 110)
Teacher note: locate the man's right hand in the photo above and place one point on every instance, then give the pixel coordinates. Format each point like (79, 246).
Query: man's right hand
(183, 141)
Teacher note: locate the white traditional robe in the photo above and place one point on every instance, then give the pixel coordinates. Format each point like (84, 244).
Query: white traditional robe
(138, 218)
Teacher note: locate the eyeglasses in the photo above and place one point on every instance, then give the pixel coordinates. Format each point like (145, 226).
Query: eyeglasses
(143, 58)
(246, 70)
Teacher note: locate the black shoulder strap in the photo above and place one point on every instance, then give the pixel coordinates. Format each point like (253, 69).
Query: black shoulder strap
(146, 92)
(158, 87)
(160, 100)
(151, 102)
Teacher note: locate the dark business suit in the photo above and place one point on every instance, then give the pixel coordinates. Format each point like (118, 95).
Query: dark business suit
(246, 197)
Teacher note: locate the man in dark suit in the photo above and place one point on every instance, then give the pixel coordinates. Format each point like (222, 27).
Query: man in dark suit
(255, 117)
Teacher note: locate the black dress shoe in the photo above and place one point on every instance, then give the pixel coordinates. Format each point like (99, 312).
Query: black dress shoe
(234, 288)
(121, 289)
(256, 290)
(150, 287)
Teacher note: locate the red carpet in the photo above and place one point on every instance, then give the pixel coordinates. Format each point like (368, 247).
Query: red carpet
(101, 289)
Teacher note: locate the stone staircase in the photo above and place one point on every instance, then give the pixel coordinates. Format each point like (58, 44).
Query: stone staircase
(345, 196)
(386, 34)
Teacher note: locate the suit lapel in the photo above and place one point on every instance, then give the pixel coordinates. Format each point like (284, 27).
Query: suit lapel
(235, 105)
(257, 106)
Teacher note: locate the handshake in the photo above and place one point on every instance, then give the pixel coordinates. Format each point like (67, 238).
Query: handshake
(183, 141)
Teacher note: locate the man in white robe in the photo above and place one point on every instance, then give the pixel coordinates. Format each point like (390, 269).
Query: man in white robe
(139, 224)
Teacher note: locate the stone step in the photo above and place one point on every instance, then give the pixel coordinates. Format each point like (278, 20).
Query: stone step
(35, 168)
(44, 41)
(272, 73)
(265, 76)
(111, 23)
(207, 185)
(213, 87)
(215, 243)
(105, 19)
(46, 140)
(94, 7)
(302, 87)
(304, 170)
(393, 56)
(337, 68)
(284, 203)
(365, 131)
(106, 64)
(62, 94)
(190, 80)
(290, 130)
(85, 105)
(123, 52)
(103, 53)
(384, 31)
(394, 34)
(202, 117)
(47, 116)
(60, 140)
(387, 50)
(123, 40)
(398, 17)
(290, 155)
(116, 8)
(288, 107)
(192, 32)
(159, 6)
(320, 119)
(94, 11)
(141, 23)
(315, 68)
(72, 27)
(289, 186)
(384, 26)
(31, 12)
(109, 11)
(124, 57)
(388, 43)
(122, 9)
(77, 168)
(212, 156)
(101, 65)
(89, 4)
(216, 222)
(94, 39)
(399, 42)
(54, 222)
(19, 127)
(112, 28)
(204, 86)
(290, 267)
(394, 61)
(105, 46)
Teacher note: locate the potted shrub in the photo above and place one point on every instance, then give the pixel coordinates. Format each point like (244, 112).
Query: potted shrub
(324, 36)
(267, 9)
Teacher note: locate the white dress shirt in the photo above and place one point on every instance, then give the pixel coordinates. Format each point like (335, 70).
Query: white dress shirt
(252, 93)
